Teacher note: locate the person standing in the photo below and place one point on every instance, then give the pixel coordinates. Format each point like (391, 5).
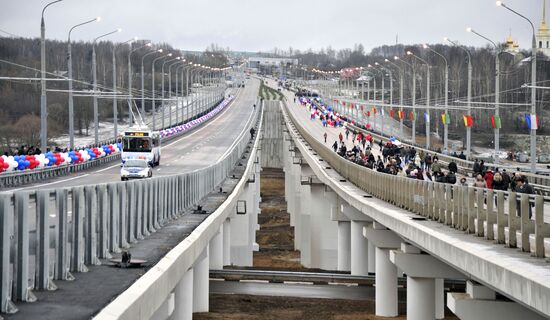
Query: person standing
(522, 186)
(325, 136)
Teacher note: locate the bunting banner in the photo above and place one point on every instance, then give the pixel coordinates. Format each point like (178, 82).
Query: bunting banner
(532, 121)
(368, 113)
(401, 115)
(426, 116)
(381, 111)
(392, 113)
(495, 122)
(352, 105)
(412, 115)
(362, 107)
(373, 111)
(468, 121)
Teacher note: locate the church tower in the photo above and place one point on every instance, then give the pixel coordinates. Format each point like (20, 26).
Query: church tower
(543, 34)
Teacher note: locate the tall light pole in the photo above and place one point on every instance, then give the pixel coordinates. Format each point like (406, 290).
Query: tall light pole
(445, 124)
(143, 82)
(178, 61)
(390, 77)
(43, 98)
(497, 91)
(153, 90)
(469, 101)
(426, 118)
(533, 88)
(413, 93)
(162, 80)
(401, 75)
(115, 107)
(70, 67)
(94, 74)
(131, 96)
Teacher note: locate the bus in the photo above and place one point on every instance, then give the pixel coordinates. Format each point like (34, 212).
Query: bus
(141, 143)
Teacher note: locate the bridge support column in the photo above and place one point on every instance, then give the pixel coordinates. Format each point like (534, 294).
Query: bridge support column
(226, 242)
(241, 243)
(324, 231)
(479, 302)
(344, 246)
(183, 304)
(165, 310)
(422, 271)
(215, 250)
(201, 277)
(359, 249)
(384, 240)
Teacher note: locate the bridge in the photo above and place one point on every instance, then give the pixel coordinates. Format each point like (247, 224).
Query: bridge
(58, 236)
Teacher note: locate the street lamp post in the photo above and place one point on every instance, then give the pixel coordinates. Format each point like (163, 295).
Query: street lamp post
(497, 91)
(115, 107)
(469, 101)
(445, 124)
(143, 84)
(533, 135)
(390, 77)
(169, 90)
(427, 117)
(70, 67)
(130, 99)
(413, 102)
(401, 74)
(153, 110)
(43, 98)
(94, 74)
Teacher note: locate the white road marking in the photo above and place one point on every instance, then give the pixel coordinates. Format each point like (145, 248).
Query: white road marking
(54, 182)
(105, 169)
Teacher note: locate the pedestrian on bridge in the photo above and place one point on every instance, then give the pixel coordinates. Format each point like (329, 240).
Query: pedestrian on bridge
(335, 146)
(325, 136)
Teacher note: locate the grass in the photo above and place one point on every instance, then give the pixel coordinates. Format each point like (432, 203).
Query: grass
(268, 93)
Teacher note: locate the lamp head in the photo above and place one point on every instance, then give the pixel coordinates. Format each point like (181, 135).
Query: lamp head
(135, 39)
(170, 54)
(119, 30)
(98, 19)
(386, 60)
(376, 63)
(149, 44)
(159, 50)
(395, 58)
(469, 29)
(409, 53)
(500, 4)
(445, 39)
(425, 46)
(369, 65)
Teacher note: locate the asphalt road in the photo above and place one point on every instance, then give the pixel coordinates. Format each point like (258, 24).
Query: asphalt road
(196, 149)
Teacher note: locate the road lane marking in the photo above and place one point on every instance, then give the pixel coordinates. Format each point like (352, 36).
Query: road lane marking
(49, 183)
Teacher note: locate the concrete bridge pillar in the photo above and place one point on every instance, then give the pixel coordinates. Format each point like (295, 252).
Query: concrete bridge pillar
(240, 235)
(183, 300)
(344, 245)
(359, 249)
(324, 231)
(424, 293)
(201, 276)
(165, 310)
(386, 304)
(226, 231)
(302, 229)
(215, 249)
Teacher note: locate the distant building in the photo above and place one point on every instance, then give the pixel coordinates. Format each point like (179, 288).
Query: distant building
(271, 65)
(543, 34)
(511, 44)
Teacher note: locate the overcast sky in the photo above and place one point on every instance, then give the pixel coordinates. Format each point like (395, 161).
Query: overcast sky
(260, 25)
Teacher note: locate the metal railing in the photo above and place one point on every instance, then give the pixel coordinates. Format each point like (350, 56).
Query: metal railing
(484, 212)
(18, 178)
(77, 226)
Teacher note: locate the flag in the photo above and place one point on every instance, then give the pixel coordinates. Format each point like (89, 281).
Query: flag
(401, 114)
(392, 113)
(373, 110)
(468, 121)
(362, 107)
(352, 105)
(426, 116)
(412, 115)
(495, 122)
(381, 111)
(532, 121)
(445, 118)
(368, 113)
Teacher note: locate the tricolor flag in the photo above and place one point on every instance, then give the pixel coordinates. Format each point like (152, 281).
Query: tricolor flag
(426, 116)
(412, 115)
(382, 111)
(468, 121)
(401, 115)
(532, 121)
(373, 110)
(495, 122)
(392, 113)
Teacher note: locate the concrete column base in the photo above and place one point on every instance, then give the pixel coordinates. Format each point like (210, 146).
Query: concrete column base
(420, 298)
(386, 285)
(201, 289)
(359, 249)
(183, 304)
(344, 246)
(215, 250)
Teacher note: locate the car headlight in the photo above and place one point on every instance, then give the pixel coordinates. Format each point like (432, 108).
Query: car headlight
(144, 172)
(124, 172)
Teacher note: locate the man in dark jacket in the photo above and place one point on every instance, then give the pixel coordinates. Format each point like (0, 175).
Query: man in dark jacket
(523, 187)
(452, 167)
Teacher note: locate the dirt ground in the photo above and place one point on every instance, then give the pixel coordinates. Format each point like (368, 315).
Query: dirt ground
(276, 241)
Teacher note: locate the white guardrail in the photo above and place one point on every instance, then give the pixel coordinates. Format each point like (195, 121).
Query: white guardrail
(18, 178)
(77, 226)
